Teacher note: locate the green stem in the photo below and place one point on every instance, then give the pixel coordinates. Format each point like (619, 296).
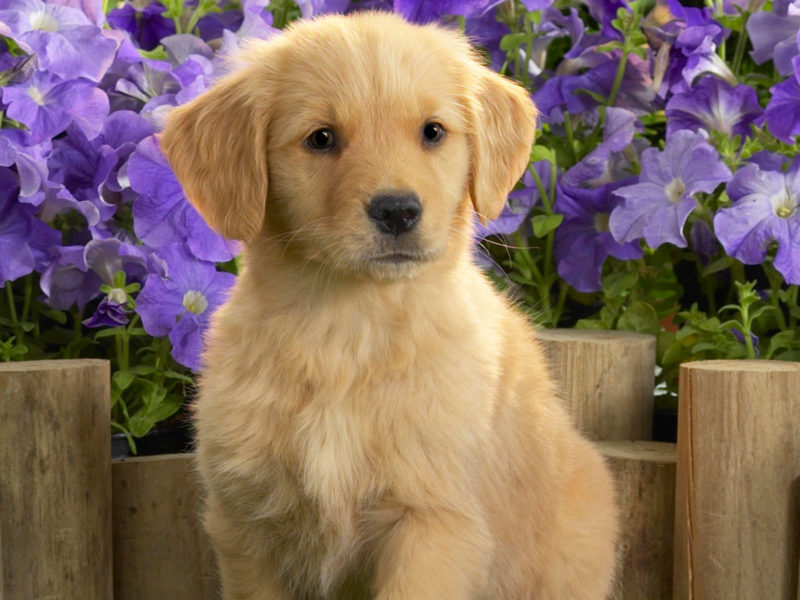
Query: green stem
(26, 306)
(775, 286)
(741, 44)
(570, 137)
(623, 62)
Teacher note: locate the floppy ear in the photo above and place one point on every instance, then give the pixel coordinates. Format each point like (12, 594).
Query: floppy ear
(216, 144)
(503, 127)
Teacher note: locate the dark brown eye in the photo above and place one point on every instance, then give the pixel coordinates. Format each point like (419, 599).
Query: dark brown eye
(433, 133)
(321, 139)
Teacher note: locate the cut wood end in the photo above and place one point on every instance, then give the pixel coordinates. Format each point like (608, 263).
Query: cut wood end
(639, 450)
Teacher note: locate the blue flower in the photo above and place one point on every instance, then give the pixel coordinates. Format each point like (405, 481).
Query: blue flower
(765, 210)
(180, 304)
(657, 207)
(583, 241)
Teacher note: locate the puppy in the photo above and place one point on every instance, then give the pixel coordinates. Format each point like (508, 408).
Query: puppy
(374, 419)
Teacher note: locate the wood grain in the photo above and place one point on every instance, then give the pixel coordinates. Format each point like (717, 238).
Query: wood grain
(645, 476)
(55, 480)
(160, 549)
(736, 525)
(606, 379)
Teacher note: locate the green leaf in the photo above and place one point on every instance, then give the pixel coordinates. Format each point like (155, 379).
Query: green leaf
(140, 424)
(539, 153)
(589, 324)
(513, 41)
(641, 317)
(122, 379)
(544, 224)
(58, 316)
(718, 265)
(780, 341)
(621, 281)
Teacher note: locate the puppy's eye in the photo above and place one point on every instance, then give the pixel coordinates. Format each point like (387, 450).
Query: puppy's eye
(433, 133)
(321, 139)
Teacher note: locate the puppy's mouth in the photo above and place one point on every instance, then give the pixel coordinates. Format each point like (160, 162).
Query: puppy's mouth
(398, 258)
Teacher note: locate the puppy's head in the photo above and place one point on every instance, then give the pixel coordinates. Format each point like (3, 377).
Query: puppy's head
(360, 142)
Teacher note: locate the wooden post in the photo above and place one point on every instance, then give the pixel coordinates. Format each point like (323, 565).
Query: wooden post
(738, 456)
(160, 548)
(606, 378)
(55, 480)
(645, 476)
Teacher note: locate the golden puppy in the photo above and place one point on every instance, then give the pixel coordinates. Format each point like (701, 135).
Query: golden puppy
(375, 420)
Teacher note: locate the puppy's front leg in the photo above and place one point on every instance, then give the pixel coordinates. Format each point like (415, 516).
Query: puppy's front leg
(434, 555)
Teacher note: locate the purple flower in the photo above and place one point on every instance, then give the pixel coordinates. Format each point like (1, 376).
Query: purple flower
(108, 314)
(30, 160)
(147, 26)
(764, 210)
(713, 105)
(419, 11)
(583, 241)
(180, 305)
(23, 237)
(161, 213)
(773, 35)
(605, 11)
(782, 114)
(67, 281)
(519, 205)
(310, 8)
(567, 92)
(596, 167)
(657, 207)
(63, 38)
(46, 104)
(692, 37)
(704, 243)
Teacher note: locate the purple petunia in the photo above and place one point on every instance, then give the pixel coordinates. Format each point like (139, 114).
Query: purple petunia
(47, 104)
(65, 41)
(773, 36)
(782, 114)
(764, 210)
(420, 11)
(24, 239)
(180, 304)
(583, 241)
(161, 213)
(657, 207)
(713, 105)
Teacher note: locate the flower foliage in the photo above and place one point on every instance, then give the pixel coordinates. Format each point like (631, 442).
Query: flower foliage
(661, 187)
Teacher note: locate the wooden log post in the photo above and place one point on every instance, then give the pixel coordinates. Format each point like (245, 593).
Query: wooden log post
(736, 527)
(606, 379)
(645, 477)
(55, 480)
(160, 548)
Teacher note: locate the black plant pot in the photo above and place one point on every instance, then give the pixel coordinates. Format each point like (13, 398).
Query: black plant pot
(665, 425)
(173, 438)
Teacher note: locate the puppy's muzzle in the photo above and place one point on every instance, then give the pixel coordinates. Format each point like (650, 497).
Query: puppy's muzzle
(395, 214)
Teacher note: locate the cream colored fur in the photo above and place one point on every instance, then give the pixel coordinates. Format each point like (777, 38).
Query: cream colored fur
(369, 429)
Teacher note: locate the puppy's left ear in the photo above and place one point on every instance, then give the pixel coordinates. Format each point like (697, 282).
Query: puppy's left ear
(216, 144)
(503, 128)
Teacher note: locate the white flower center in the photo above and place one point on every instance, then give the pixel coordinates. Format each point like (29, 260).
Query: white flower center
(37, 95)
(117, 296)
(674, 190)
(601, 223)
(195, 302)
(785, 204)
(43, 21)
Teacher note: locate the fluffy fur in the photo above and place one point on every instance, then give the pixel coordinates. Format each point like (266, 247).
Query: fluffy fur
(370, 427)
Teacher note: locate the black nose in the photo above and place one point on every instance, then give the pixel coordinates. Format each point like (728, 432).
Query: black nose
(395, 213)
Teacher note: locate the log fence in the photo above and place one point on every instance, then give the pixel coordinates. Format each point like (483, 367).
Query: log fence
(715, 516)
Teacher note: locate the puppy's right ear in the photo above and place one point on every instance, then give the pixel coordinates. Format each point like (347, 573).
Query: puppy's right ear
(216, 144)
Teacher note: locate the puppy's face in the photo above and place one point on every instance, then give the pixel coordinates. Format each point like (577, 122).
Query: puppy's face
(363, 143)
